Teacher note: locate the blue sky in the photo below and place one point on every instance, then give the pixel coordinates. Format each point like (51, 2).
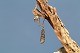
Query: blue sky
(20, 34)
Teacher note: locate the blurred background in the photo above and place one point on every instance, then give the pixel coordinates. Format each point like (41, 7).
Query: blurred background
(20, 34)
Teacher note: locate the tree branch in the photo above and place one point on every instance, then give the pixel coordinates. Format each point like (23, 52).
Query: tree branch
(50, 14)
